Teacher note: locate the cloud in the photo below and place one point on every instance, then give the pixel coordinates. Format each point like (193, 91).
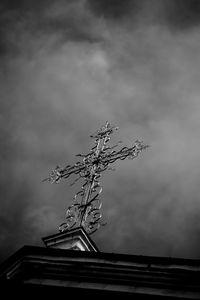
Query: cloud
(114, 9)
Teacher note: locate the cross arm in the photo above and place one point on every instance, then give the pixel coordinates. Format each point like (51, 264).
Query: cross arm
(124, 153)
(58, 173)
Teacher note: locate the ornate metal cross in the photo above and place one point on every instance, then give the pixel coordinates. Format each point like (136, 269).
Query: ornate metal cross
(85, 210)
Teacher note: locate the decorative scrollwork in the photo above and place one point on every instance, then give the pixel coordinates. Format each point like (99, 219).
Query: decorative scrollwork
(85, 211)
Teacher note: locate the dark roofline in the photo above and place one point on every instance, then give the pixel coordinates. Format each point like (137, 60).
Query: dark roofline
(35, 250)
(54, 270)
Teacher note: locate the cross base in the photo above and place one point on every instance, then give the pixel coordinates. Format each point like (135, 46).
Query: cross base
(74, 239)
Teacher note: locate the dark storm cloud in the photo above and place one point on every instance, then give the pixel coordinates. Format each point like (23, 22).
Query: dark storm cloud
(182, 14)
(114, 9)
(20, 22)
(175, 14)
(128, 13)
(66, 68)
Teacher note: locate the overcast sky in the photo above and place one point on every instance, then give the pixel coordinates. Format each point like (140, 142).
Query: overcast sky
(66, 68)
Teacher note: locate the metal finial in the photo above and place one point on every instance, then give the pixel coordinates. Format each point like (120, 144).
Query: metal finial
(85, 210)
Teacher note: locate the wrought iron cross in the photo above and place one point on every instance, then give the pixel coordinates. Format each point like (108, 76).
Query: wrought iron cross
(85, 210)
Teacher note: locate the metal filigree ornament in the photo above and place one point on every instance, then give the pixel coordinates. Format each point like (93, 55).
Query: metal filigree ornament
(85, 210)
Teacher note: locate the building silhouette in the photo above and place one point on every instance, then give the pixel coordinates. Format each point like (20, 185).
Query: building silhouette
(71, 265)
